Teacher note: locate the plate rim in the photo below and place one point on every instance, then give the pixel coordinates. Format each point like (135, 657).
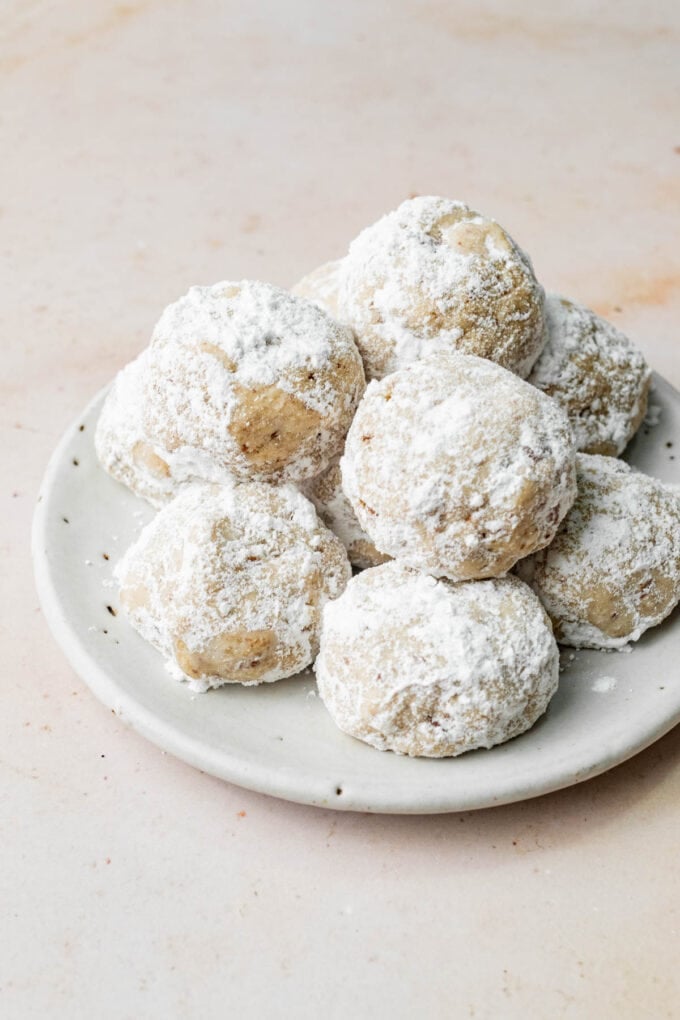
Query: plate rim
(228, 766)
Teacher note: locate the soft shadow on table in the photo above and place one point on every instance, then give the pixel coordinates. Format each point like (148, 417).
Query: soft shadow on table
(565, 817)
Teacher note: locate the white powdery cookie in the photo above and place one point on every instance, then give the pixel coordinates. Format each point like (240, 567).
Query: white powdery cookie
(458, 467)
(613, 569)
(426, 667)
(134, 458)
(335, 510)
(321, 287)
(229, 582)
(121, 444)
(256, 381)
(595, 373)
(434, 275)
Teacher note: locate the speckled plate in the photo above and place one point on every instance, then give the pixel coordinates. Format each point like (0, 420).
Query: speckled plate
(278, 738)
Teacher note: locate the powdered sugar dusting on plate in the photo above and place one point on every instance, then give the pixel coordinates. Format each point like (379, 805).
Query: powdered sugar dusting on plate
(603, 684)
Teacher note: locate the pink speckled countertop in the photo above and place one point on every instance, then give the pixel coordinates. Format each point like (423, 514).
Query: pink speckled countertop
(147, 146)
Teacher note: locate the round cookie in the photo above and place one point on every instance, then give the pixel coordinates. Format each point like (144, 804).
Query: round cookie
(253, 380)
(457, 467)
(229, 581)
(121, 444)
(131, 456)
(436, 276)
(426, 667)
(335, 510)
(613, 569)
(595, 373)
(321, 287)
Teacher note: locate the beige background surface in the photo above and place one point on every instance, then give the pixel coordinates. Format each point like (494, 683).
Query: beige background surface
(147, 146)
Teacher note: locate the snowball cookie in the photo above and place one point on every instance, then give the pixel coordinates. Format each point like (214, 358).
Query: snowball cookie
(436, 276)
(613, 570)
(458, 467)
(595, 373)
(229, 582)
(121, 444)
(133, 457)
(335, 510)
(321, 287)
(425, 667)
(259, 382)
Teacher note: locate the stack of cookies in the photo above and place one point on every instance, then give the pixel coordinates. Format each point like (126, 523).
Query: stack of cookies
(473, 481)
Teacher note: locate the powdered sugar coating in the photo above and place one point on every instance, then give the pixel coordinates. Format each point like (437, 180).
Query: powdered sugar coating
(321, 287)
(121, 444)
(133, 457)
(595, 373)
(261, 383)
(335, 510)
(436, 276)
(425, 667)
(229, 582)
(458, 467)
(613, 569)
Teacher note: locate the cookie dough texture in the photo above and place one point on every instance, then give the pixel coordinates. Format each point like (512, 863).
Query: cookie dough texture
(434, 275)
(252, 379)
(229, 582)
(335, 510)
(458, 467)
(425, 667)
(321, 287)
(595, 373)
(613, 569)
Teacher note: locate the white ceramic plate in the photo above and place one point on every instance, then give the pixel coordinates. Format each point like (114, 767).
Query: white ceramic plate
(278, 738)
